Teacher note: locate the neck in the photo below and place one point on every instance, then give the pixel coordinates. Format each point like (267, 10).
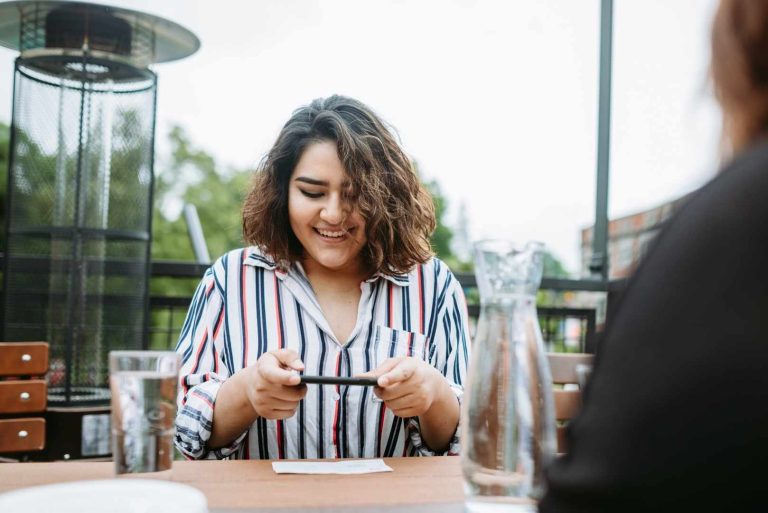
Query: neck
(348, 277)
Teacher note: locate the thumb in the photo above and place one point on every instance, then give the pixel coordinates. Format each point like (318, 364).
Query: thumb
(289, 358)
(387, 366)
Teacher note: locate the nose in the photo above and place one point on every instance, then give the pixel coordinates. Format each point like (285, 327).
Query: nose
(334, 210)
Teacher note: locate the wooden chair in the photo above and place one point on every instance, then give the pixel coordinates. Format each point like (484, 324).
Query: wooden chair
(570, 370)
(23, 394)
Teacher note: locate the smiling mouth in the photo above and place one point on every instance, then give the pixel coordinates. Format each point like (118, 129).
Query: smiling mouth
(334, 234)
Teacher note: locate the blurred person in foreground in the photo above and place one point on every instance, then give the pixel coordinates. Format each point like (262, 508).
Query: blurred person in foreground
(339, 280)
(675, 417)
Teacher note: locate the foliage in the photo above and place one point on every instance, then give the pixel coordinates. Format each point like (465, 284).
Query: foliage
(553, 268)
(192, 177)
(443, 234)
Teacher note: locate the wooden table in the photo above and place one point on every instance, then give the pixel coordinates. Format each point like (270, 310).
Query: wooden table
(417, 485)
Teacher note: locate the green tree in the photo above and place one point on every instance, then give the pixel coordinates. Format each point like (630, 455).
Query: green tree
(193, 177)
(443, 234)
(553, 268)
(441, 237)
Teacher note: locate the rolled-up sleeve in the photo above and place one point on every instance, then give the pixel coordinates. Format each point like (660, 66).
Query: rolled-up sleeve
(449, 353)
(203, 370)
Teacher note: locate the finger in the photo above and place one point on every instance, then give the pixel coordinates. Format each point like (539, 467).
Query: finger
(386, 366)
(280, 413)
(402, 403)
(400, 373)
(390, 393)
(406, 412)
(272, 373)
(289, 358)
(290, 393)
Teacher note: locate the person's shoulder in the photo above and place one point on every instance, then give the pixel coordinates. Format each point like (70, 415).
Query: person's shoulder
(240, 257)
(434, 269)
(735, 197)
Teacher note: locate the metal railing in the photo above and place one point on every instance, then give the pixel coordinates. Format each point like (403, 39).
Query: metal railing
(565, 329)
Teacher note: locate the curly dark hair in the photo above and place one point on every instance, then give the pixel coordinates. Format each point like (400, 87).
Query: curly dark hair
(739, 69)
(398, 211)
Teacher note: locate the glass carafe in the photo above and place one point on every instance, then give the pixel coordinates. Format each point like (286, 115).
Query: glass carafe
(508, 414)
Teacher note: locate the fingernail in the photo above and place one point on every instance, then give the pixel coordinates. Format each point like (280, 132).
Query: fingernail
(298, 363)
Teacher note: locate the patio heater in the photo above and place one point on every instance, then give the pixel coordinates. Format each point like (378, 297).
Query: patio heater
(79, 197)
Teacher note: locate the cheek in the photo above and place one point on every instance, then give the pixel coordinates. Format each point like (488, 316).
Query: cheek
(298, 213)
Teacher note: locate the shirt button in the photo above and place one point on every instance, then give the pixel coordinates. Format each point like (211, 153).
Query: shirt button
(336, 397)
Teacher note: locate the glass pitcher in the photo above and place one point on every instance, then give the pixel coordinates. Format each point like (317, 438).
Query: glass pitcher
(508, 413)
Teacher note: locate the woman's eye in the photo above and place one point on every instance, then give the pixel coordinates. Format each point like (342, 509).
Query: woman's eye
(311, 194)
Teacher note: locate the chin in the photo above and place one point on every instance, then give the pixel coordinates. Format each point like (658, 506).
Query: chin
(335, 262)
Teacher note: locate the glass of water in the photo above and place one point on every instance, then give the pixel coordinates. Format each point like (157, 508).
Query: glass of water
(144, 386)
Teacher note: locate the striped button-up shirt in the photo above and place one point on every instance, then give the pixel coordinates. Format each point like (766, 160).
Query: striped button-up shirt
(245, 306)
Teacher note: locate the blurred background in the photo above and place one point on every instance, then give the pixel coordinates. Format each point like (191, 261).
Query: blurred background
(495, 101)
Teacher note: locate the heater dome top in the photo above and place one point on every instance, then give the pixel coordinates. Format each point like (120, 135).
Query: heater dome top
(50, 27)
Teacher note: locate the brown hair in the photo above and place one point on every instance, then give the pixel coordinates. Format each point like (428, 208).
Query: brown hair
(398, 211)
(740, 69)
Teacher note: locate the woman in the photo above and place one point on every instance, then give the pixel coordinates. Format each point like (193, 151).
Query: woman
(675, 417)
(339, 280)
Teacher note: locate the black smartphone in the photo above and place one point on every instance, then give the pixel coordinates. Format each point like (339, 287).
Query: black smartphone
(339, 380)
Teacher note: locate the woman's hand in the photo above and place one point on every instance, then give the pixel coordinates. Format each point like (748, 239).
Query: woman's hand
(408, 386)
(273, 385)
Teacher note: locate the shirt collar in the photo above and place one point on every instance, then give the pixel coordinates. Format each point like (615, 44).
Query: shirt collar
(256, 259)
(401, 280)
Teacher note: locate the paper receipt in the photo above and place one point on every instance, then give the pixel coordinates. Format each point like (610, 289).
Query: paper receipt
(330, 467)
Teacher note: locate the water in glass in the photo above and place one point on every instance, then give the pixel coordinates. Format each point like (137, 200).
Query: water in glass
(143, 414)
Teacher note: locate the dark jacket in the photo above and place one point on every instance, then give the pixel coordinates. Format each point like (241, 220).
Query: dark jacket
(675, 417)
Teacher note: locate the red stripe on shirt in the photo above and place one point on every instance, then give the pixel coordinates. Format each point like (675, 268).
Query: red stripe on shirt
(279, 314)
(203, 398)
(219, 324)
(201, 346)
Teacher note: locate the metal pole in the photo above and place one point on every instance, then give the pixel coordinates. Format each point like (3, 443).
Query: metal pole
(599, 262)
(145, 342)
(196, 236)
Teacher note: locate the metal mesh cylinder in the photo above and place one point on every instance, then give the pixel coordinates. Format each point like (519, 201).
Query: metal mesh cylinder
(79, 216)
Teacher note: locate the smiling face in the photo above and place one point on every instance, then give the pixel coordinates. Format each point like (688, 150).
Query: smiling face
(330, 230)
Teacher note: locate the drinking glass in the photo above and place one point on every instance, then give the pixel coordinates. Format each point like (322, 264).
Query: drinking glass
(144, 388)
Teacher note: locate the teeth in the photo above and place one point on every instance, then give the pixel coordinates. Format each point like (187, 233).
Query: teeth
(327, 233)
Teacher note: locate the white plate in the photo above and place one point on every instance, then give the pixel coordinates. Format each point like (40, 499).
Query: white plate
(108, 495)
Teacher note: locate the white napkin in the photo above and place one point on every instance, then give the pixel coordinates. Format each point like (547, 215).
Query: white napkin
(330, 467)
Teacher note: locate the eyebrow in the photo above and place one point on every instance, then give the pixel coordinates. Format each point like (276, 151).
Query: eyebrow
(311, 181)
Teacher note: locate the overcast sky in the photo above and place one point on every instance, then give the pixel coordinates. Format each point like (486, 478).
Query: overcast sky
(495, 99)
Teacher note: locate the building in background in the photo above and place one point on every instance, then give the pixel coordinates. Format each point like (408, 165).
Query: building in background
(629, 238)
